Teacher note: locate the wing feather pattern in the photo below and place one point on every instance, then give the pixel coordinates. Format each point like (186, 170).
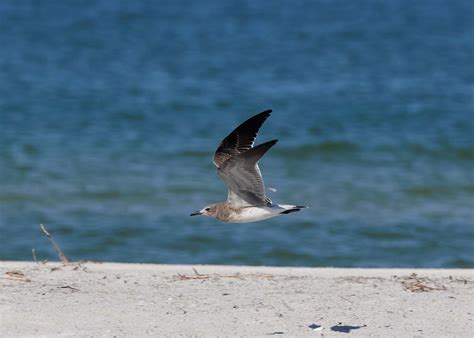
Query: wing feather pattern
(244, 179)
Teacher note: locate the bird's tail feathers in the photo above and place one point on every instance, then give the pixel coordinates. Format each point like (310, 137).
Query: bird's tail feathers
(291, 208)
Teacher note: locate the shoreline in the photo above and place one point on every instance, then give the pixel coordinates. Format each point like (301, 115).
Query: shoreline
(117, 299)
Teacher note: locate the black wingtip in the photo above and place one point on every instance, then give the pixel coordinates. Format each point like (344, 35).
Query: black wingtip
(254, 122)
(256, 153)
(295, 209)
(286, 212)
(240, 139)
(263, 147)
(269, 143)
(264, 114)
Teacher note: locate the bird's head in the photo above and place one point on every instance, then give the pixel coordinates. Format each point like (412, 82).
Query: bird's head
(209, 210)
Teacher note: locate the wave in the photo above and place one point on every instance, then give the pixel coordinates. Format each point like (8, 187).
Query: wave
(435, 152)
(438, 190)
(193, 153)
(327, 148)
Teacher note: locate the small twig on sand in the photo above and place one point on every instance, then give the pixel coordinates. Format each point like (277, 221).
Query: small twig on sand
(197, 273)
(184, 277)
(63, 258)
(196, 276)
(33, 252)
(69, 287)
(414, 283)
(17, 275)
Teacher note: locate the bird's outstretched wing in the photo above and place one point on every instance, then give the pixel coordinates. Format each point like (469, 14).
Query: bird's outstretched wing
(241, 139)
(242, 175)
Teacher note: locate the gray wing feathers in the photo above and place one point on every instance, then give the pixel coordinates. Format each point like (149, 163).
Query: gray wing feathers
(243, 177)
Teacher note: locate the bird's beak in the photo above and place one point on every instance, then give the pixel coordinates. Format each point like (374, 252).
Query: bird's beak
(196, 213)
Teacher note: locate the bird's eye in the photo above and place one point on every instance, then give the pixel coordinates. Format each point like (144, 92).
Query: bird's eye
(207, 209)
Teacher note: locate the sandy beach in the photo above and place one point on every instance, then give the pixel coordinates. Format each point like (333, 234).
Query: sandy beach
(111, 299)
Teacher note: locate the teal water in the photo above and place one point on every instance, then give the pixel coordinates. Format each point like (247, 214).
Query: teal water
(110, 112)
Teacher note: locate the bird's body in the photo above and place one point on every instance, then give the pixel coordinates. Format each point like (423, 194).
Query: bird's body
(228, 213)
(236, 160)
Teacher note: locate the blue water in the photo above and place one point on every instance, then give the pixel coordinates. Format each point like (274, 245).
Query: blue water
(110, 112)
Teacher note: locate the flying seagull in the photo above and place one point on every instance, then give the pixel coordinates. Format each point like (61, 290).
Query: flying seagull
(236, 160)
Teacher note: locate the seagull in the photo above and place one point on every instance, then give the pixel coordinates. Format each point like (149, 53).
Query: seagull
(236, 160)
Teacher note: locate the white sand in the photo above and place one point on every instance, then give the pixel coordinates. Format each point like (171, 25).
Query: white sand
(110, 299)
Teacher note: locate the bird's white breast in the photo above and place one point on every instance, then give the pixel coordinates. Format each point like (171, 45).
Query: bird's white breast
(252, 214)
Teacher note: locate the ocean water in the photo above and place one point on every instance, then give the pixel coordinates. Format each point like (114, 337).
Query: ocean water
(110, 112)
